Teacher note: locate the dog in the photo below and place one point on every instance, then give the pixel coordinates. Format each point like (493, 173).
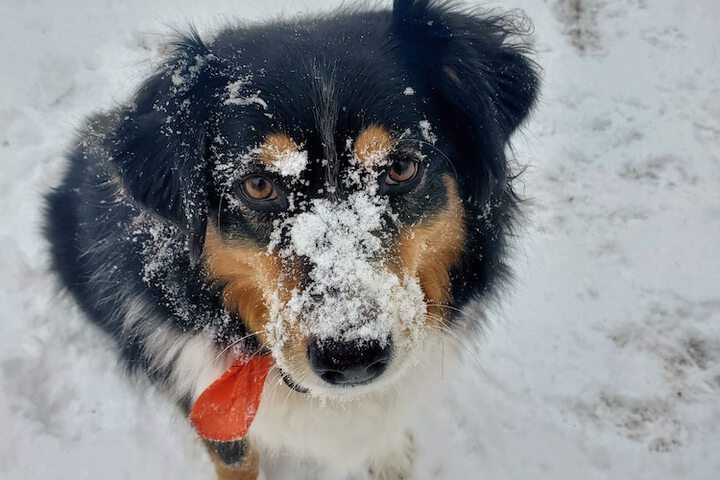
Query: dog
(329, 193)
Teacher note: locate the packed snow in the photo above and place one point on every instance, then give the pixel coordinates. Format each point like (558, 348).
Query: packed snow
(351, 293)
(603, 360)
(289, 163)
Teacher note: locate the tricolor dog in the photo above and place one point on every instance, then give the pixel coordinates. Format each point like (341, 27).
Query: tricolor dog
(285, 222)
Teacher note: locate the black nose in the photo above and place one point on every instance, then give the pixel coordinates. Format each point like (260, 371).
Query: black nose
(349, 363)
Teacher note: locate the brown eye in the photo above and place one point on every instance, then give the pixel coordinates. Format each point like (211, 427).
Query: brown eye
(259, 188)
(401, 171)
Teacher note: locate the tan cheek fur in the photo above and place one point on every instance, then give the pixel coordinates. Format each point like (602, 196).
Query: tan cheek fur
(430, 249)
(251, 276)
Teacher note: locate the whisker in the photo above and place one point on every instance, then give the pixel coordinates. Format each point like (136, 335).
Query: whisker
(235, 342)
(290, 391)
(449, 307)
(460, 342)
(275, 387)
(222, 194)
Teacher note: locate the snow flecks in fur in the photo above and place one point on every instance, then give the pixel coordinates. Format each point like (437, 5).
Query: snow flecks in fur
(187, 71)
(427, 131)
(376, 158)
(372, 147)
(289, 163)
(163, 250)
(238, 95)
(159, 247)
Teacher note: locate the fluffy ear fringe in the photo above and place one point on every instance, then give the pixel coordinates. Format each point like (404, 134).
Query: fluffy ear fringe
(407, 9)
(159, 145)
(480, 80)
(470, 54)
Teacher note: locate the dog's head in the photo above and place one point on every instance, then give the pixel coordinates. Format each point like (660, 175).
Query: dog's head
(343, 180)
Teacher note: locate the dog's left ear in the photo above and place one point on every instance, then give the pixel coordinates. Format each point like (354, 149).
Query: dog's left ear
(160, 143)
(482, 84)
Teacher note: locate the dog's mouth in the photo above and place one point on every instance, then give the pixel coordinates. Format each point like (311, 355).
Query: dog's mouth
(292, 384)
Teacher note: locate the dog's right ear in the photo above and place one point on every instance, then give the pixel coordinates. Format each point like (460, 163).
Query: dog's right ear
(471, 68)
(159, 146)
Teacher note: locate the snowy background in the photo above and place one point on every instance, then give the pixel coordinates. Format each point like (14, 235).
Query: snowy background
(603, 363)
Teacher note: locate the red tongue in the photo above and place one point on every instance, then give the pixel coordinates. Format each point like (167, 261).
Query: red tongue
(226, 409)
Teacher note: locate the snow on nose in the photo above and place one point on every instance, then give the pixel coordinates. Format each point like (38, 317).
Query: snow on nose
(350, 293)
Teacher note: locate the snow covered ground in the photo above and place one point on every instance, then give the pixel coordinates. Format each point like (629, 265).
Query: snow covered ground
(604, 362)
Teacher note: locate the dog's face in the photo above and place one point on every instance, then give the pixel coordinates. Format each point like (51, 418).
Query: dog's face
(336, 250)
(342, 181)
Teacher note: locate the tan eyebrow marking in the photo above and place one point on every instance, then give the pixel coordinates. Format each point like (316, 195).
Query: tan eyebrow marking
(275, 146)
(373, 144)
(282, 155)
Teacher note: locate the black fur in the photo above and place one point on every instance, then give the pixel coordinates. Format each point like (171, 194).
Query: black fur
(151, 165)
(482, 88)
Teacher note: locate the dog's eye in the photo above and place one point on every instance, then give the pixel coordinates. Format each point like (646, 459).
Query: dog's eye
(401, 171)
(259, 188)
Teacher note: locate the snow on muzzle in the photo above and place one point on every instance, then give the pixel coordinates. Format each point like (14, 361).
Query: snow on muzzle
(349, 296)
